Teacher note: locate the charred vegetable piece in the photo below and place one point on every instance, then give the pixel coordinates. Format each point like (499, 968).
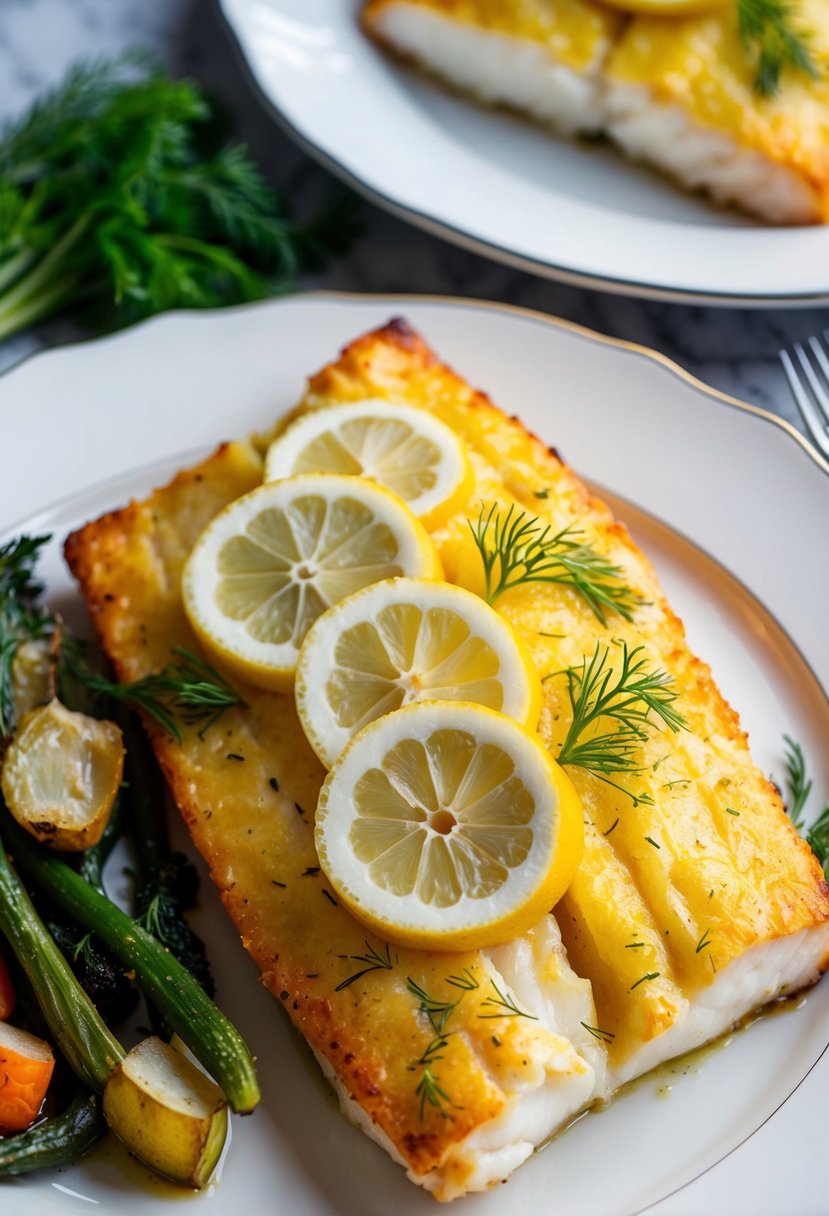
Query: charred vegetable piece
(61, 776)
(92, 861)
(95, 967)
(54, 1142)
(180, 1000)
(168, 882)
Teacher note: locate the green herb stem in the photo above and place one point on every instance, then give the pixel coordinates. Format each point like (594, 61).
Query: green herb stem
(438, 1012)
(117, 188)
(372, 960)
(187, 691)
(431, 1093)
(799, 788)
(47, 271)
(799, 785)
(769, 30)
(504, 1005)
(15, 266)
(37, 307)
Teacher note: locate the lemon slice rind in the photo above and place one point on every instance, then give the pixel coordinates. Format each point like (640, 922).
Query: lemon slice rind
(273, 560)
(405, 640)
(526, 806)
(407, 450)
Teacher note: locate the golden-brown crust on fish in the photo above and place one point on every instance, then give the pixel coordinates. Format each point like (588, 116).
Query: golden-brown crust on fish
(257, 839)
(728, 861)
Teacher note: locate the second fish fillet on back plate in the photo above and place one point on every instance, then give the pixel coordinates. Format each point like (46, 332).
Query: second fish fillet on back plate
(677, 92)
(667, 943)
(542, 57)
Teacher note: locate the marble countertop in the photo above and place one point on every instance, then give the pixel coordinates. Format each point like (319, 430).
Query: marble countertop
(732, 349)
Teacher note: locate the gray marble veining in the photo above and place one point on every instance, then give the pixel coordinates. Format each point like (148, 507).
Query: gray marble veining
(733, 349)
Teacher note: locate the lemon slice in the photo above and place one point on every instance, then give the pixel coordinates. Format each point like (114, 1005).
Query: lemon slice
(405, 449)
(61, 775)
(272, 561)
(405, 640)
(445, 826)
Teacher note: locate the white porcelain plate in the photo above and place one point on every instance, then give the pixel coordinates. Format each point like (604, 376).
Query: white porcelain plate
(731, 507)
(501, 186)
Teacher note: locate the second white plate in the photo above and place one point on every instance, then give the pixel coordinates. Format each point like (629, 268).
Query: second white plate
(499, 185)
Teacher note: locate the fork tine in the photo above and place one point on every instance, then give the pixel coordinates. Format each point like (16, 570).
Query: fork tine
(818, 391)
(815, 424)
(823, 361)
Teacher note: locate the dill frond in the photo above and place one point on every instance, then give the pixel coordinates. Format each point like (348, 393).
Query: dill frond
(517, 548)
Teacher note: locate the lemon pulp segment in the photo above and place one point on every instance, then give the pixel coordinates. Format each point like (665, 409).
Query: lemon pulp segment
(446, 826)
(267, 566)
(406, 449)
(406, 640)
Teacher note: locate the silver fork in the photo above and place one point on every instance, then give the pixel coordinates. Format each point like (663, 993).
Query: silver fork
(807, 372)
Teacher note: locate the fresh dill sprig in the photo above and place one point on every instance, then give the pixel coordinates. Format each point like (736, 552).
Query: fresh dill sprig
(160, 905)
(651, 975)
(704, 942)
(769, 30)
(372, 960)
(21, 619)
(604, 1036)
(189, 691)
(434, 1049)
(465, 981)
(429, 1089)
(518, 548)
(799, 785)
(504, 1005)
(431, 1093)
(119, 191)
(799, 788)
(438, 1012)
(628, 695)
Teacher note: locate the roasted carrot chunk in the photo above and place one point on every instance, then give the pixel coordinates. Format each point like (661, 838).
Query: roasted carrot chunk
(26, 1065)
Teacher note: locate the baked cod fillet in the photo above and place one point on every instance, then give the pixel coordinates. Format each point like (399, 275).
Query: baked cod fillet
(248, 792)
(543, 57)
(676, 93)
(680, 95)
(743, 881)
